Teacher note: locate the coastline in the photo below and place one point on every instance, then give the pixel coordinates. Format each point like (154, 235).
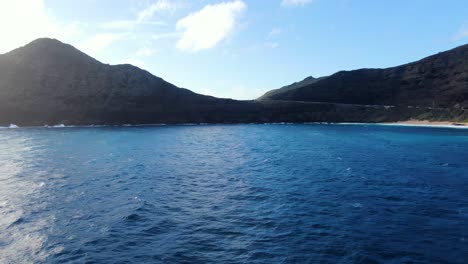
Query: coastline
(407, 123)
(427, 123)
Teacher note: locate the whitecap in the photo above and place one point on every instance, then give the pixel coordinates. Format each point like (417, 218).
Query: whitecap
(57, 126)
(13, 126)
(282, 123)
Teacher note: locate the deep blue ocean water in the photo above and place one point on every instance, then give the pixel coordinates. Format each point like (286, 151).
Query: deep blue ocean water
(234, 194)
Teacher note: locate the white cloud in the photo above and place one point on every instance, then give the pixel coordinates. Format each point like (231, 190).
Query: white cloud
(294, 3)
(22, 21)
(98, 42)
(209, 26)
(156, 7)
(128, 24)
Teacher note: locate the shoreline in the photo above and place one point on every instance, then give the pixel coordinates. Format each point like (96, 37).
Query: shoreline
(427, 123)
(408, 123)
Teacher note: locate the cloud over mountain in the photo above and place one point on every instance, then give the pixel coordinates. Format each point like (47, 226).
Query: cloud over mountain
(206, 28)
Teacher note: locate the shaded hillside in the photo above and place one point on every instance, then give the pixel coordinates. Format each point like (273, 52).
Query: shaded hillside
(48, 82)
(439, 81)
(307, 81)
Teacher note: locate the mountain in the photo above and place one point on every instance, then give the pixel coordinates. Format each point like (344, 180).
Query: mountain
(48, 82)
(272, 94)
(438, 81)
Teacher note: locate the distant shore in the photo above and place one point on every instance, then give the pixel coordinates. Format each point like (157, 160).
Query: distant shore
(415, 123)
(429, 123)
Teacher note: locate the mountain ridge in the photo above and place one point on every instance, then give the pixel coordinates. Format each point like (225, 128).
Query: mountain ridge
(439, 80)
(77, 84)
(48, 82)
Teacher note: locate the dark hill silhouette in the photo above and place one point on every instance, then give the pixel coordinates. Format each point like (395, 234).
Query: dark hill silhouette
(439, 81)
(49, 82)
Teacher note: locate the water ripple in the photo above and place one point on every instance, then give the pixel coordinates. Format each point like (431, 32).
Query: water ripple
(234, 194)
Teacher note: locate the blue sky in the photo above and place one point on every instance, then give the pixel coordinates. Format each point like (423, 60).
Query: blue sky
(241, 48)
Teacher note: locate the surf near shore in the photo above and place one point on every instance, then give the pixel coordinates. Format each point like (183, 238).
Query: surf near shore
(414, 122)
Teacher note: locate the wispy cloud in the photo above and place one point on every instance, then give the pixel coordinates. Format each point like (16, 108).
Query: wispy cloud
(145, 52)
(157, 7)
(128, 24)
(144, 17)
(139, 57)
(295, 3)
(462, 33)
(206, 28)
(159, 36)
(271, 38)
(133, 60)
(98, 42)
(274, 32)
(132, 28)
(272, 45)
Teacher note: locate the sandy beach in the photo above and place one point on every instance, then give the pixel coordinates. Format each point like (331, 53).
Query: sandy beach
(413, 122)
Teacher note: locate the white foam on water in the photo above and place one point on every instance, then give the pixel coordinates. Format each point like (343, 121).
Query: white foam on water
(58, 126)
(422, 125)
(389, 124)
(356, 205)
(347, 124)
(278, 123)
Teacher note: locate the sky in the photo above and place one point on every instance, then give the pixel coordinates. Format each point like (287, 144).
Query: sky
(241, 48)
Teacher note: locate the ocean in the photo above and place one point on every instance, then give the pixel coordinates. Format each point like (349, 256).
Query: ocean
(234, 194)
